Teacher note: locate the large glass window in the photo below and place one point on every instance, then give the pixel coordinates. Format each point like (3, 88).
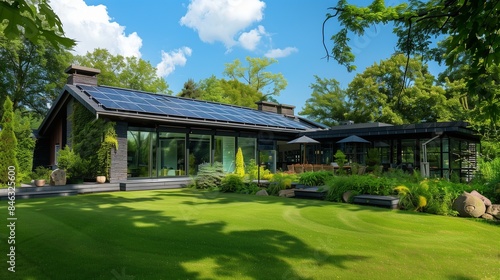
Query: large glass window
(225, 147)
(248, 147)
(199, 151)
(141, 153)
(172, 154)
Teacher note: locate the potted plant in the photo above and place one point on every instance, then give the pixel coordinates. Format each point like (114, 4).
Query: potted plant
(40, 176)
(104, 154)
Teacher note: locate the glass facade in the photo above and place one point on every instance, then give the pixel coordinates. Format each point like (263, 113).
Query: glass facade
(172, 157)
(225, 152)
(141, 154)
(152, 154)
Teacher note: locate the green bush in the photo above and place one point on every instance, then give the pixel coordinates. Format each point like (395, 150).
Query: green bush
(358, 184)
(41, 173)
(209, 176)
(250, 188)
(232, 183)
(317, 178)
(253, 172)
(280, 181)
(76, 168)
(488, 182)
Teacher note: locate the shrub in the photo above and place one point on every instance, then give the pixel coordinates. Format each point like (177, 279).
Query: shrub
(358, 184)
(253, 172)
(76, 168)
(280, 181)
(250, 188)
(318, 178)
(232, 183)
(209, 176)
(8, 144)
(240, 163)
(41, 173)
(372, 159)
(340, 158)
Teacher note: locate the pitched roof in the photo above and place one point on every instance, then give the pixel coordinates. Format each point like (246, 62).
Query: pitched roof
(133, 104)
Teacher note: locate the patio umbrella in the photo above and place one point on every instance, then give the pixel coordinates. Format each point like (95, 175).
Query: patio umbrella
(303, 140)
(353, 139)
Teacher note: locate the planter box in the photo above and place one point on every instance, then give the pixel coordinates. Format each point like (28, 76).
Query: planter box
(377, 200)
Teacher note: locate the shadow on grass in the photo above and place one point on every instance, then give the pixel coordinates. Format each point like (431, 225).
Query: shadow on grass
(105, 235)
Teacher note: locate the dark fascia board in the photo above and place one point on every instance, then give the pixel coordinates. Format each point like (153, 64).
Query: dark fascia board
(67, 92)
(458, 128)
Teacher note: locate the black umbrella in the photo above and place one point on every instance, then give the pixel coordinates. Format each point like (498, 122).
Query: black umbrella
(303, 140)
(353, 139)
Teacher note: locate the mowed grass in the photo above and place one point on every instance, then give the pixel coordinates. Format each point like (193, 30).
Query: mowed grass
(188, 234)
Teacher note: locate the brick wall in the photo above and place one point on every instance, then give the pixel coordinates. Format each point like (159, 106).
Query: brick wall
(118, 170)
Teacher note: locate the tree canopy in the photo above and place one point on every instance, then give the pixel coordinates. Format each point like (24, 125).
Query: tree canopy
(33, 20)
(125, 72)
(32, 74)
(375, 96)
(266, 83)
(467, 28)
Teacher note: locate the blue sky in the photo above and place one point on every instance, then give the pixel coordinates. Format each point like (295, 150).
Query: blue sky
(194, 39)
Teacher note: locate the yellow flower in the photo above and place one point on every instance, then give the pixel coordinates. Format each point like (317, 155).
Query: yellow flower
(402, 189)
(422, 202)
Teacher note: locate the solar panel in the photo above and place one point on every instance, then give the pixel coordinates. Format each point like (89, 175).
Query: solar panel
(141, 102)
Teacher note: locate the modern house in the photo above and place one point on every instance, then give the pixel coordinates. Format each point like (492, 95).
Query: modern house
(162, 135)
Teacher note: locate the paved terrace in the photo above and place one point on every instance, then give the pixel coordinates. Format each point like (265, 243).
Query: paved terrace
(28, 191)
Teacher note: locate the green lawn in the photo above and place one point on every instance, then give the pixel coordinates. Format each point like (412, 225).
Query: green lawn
(187, 234)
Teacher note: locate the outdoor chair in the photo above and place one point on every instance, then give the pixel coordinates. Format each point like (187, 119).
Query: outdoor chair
(317, 167)
(298, 168)
(290, 168)
(308, 168)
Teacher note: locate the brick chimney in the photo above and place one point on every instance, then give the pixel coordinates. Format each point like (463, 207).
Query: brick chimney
(272, 107)
(267, 106)
(82, 75)
(286, 109)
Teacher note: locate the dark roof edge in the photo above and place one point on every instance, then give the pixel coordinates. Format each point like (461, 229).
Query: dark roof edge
(57, 105)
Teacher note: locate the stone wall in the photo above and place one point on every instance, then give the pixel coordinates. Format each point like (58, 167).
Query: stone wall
(118, 170)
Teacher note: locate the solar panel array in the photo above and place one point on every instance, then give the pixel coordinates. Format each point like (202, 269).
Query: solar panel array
(142, 102)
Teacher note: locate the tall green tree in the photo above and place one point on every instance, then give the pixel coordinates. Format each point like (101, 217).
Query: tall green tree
(328, 103)
(33, 20)
(125, 72)
(229, 92)
(32, 75)
(255, 74)
(25, 143)
(8, 144)
(469, 28)
(376, 94)
(190, 90)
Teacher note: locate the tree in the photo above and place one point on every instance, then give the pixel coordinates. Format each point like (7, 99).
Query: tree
(32, 75)
(469, 28)
(8, 145)
(25, 144)
(264, 82)
(376, 94)
(190, 90)
(239, 163)
(34, 20)
(229, 92)
(328, 102)
(124, 72)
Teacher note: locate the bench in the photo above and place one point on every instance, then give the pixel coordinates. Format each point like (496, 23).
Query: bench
(313, 192)
(377, 200)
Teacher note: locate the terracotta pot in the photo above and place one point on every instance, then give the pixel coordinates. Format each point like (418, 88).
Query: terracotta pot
(40, 183)
(101, 179)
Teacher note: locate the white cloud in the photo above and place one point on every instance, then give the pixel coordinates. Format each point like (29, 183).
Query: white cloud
(92, 27)
(222, 20)
(277, 53)
(250, 40)
(171, 59)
